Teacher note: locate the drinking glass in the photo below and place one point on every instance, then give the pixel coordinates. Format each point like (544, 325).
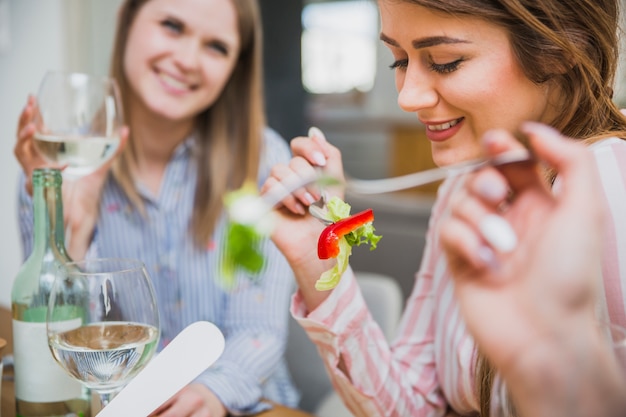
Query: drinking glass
(102, 322)
(78, 121)
(501, 403)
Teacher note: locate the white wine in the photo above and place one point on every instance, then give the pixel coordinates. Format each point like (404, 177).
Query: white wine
(82, 155)
(105, 356)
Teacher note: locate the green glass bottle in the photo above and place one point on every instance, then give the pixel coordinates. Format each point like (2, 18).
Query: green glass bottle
(42, 388)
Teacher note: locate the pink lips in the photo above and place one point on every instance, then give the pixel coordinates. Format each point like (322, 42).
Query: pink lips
(170, 87)
(442, 135)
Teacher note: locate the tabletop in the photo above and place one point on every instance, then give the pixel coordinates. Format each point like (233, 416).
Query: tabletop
(8, 402)
(7, 407)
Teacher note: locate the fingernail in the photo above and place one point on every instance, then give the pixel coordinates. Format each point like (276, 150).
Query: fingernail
(487, 257)
(300, 209)
(319, 159)
(539, 129)
(491, 136)
(491, 189)
(309, 198)
(315, 132)
(498, 232)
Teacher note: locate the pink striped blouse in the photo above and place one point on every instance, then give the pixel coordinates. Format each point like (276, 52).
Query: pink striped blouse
(430, 364)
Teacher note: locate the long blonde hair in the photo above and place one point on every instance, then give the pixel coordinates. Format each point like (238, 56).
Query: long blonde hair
(572, 44)
(228, 134)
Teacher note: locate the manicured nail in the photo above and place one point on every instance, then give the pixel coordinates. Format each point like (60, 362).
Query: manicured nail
(300, 209)
(309, 198)
(315, 132)
(498, 232)
(492, 136)
(319, 159)
(487, 257)
(539, 129)
(491, 189)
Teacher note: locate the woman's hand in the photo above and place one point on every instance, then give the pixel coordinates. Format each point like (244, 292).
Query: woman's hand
(194, 400)
(526, 268)
(297, 232)
(81, 200)
(25, 151)
(81, 197)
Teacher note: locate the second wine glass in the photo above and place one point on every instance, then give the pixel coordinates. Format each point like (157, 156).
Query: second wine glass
(103, 322)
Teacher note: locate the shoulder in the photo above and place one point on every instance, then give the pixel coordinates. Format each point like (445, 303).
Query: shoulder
(274, 142)
(275, 151)
(610, 153)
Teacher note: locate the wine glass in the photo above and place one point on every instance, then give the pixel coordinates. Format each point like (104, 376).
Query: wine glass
(78, 121)
(502, 405)
(102, 322)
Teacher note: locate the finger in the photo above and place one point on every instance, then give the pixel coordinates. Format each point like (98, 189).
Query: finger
(574, 163)
(310, 192)
(27, 113)
(494, 230)
(274, 186)
(316, 135)
(565, 155)
(465, 250)
(520, 176)
(497, 141)
(490, 186)
(124, 134)
(309, 150)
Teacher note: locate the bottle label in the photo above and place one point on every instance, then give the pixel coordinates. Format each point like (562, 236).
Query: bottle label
(38, 377)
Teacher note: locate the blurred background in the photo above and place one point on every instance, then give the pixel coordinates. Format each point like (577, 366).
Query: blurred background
(324, 66)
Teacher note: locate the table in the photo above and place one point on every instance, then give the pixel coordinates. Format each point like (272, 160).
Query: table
(8, 403)
(7, 406)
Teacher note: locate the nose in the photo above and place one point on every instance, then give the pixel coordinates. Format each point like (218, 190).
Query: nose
(416, 91)
(187, 54)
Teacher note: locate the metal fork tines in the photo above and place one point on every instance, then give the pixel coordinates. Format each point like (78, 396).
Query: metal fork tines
(416, 179)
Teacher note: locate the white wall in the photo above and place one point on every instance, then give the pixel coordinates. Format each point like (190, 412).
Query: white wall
(36, 44)
(43, 34)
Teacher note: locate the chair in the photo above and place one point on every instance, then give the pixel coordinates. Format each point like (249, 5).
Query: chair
(383, 296)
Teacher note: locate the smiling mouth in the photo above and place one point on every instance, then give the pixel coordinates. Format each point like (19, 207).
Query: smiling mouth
(173, 82)
(444, 126)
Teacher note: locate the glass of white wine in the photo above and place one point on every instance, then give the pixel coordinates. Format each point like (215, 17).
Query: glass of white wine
(103, 322)
(78, 121)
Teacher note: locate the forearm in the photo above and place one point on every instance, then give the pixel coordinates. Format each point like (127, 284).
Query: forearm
(369, 375)
(572, 376)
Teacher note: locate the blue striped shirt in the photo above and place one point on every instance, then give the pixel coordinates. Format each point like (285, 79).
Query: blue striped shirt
(253, 316)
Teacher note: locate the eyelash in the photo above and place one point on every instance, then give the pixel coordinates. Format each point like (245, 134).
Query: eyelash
(401, 63)
(172, 25)
(218, 47)
(178, 27)
(447, 67)
(438, 68)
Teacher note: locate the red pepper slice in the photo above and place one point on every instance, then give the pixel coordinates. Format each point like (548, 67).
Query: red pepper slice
(328, 242)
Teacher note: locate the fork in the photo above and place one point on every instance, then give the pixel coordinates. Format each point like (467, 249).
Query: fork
(416, 179)
(379, 186)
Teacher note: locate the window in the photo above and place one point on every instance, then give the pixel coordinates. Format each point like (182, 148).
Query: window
(339, 42)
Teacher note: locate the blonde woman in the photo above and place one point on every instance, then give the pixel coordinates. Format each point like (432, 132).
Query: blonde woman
(190, 77)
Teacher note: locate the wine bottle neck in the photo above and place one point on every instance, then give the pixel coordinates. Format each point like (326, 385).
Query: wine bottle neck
(49, 228)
